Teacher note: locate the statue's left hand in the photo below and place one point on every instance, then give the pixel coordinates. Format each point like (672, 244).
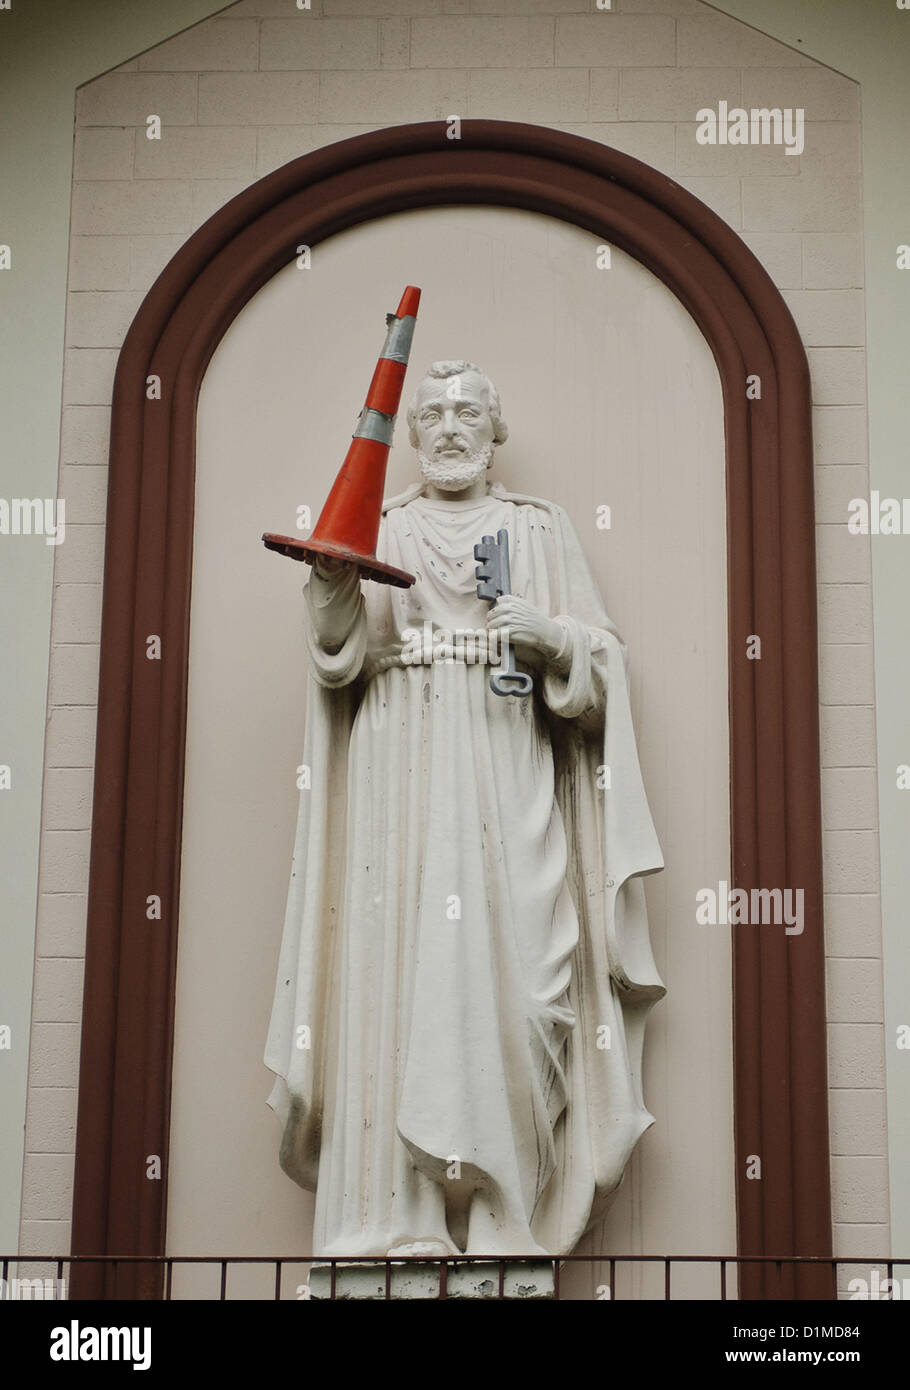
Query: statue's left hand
(528, 627)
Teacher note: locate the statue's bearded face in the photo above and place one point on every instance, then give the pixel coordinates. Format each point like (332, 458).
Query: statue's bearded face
(455, 432)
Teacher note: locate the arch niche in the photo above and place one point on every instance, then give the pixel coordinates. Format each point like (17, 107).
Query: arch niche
(780, 1089)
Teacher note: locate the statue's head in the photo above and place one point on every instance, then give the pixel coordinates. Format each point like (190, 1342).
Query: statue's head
(454, 423)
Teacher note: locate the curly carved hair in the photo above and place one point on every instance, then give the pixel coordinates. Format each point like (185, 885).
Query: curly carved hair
(441, 371)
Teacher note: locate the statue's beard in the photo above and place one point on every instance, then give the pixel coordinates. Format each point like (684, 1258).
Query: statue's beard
(454, 473)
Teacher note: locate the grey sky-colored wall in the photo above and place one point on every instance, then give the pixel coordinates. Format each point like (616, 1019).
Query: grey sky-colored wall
(869, 40)
(47, 49)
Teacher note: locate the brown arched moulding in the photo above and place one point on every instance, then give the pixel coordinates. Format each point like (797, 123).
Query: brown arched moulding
(780, 1084)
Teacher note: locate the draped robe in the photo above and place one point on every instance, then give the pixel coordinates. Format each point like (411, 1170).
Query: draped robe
(465, 970)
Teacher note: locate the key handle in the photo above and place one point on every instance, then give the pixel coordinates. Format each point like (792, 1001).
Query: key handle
(511, 682)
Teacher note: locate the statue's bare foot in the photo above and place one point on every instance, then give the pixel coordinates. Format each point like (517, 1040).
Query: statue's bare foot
(429, 1249)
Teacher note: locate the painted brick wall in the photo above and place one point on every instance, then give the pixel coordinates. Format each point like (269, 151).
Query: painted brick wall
(243, 93)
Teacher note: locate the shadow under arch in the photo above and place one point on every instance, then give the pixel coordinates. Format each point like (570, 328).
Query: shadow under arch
(780, 1075)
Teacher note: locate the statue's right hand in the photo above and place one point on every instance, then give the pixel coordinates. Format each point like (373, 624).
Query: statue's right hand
(334, 600)
(330, 566)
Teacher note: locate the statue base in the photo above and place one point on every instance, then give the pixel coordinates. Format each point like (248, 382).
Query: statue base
(522, 1279)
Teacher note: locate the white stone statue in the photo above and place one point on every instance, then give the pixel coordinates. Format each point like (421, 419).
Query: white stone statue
(465, 973)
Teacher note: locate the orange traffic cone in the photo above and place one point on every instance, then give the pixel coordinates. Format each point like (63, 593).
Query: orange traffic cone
(348, 525)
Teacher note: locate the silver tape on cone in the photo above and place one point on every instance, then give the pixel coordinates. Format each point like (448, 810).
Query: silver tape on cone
(398, 339)
(374, 425)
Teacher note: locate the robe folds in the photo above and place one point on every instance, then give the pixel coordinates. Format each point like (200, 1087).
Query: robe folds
(465, 971)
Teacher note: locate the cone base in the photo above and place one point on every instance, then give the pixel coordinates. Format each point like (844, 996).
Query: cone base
(369, 566)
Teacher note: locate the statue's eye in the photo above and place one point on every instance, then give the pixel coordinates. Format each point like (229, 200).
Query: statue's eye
(467, 414)
(429, 416)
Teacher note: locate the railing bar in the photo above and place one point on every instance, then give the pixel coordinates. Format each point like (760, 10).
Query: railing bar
(859, 1259)
(775, 1283)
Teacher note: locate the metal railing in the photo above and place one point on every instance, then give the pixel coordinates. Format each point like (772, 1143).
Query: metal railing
(161, 1268)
